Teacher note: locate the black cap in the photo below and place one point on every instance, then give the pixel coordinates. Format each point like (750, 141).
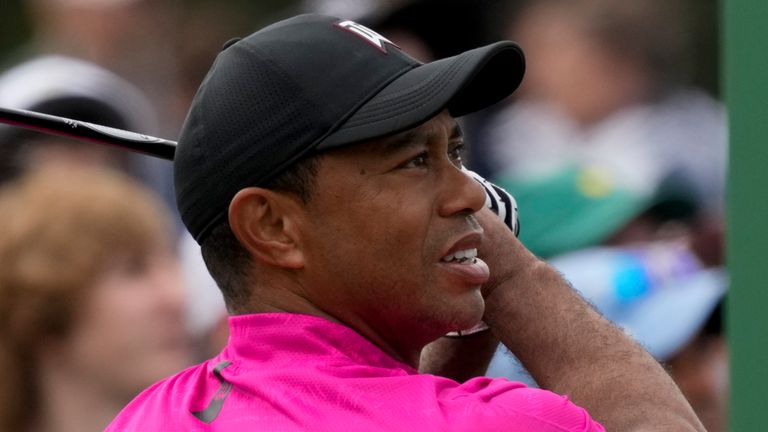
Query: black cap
(312, 83)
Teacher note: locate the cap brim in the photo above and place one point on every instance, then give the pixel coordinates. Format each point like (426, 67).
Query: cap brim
(462, 84)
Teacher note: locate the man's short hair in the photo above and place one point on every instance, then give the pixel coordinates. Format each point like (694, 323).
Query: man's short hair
(227, 260)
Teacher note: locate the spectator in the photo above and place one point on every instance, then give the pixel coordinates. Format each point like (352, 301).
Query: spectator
(660, 294)
(129, 37)
(585, 205)
(73, 88)
(639, 258)
(91, 305)
(606, 85)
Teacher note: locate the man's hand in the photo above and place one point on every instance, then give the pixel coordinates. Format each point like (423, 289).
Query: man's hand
(501, 224)
(506, 257)
(568, 347)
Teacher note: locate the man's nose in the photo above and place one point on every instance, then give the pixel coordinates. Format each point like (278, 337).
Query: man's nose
(461, 194)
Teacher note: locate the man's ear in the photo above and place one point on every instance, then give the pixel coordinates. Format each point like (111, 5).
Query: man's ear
(264, 221)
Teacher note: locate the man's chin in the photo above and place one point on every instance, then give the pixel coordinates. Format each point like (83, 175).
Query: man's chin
(468, 314)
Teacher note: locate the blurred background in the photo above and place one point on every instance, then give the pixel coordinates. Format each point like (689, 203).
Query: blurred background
(615, 145)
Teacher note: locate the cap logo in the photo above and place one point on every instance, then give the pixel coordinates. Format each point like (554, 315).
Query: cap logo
(367, 34)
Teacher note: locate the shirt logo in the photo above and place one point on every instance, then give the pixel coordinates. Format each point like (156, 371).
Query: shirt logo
(213, 409)
(367, 34)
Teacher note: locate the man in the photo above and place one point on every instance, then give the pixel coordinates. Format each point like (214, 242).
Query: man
(319, 168)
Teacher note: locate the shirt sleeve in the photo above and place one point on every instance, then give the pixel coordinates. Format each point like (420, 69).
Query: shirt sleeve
(498, 404)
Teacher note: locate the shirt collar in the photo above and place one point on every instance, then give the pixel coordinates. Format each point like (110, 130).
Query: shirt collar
(291, 338)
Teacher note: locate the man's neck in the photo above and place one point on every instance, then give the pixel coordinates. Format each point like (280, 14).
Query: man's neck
(289, 302)
(291, 297)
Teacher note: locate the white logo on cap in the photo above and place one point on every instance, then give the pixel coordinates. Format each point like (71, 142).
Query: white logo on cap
(369, 35)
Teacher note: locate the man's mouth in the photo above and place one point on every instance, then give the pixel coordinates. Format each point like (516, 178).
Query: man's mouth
(465, 256)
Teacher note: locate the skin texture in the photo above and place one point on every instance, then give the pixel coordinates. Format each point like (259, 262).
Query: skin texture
(366, 251)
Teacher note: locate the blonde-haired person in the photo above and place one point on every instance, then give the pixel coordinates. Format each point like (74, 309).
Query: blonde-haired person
(91, 305)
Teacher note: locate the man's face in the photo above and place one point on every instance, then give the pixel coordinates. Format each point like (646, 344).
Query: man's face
(385, 218)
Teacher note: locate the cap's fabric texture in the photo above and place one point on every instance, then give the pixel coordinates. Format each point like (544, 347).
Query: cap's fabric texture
(311, 83)
(290, 372)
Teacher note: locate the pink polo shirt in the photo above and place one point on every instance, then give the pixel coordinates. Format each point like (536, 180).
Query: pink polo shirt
(290, 372)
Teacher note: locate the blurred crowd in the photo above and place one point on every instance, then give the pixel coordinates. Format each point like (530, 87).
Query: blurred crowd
(615, 148)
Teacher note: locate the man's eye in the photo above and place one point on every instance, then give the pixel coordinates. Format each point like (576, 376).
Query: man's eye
(417, 162)
(457, 154)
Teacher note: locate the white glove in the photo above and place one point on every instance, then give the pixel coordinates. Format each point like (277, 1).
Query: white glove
(499, 201)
